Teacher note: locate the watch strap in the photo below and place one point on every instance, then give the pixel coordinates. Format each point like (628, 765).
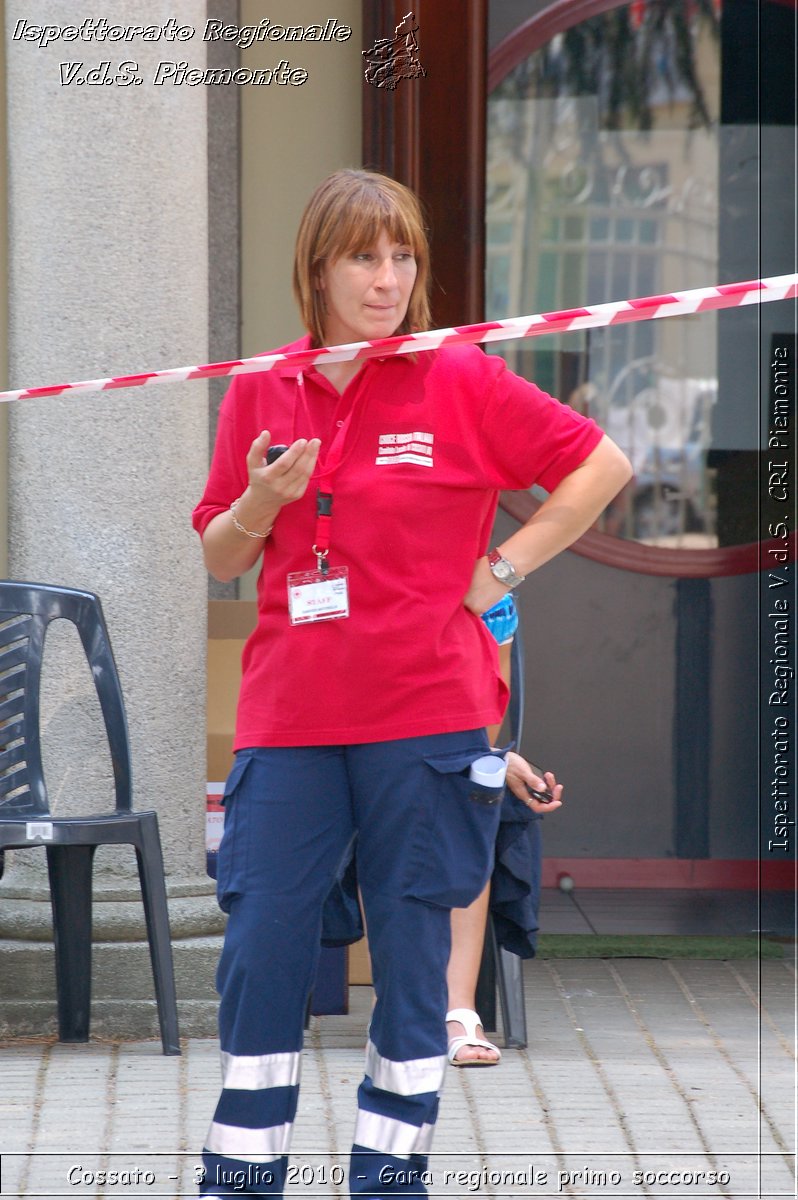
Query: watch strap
(504, 570)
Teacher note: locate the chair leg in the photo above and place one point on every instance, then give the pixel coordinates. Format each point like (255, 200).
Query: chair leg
(502, 970)
(511, 995)
(156, 913)
(70, 871)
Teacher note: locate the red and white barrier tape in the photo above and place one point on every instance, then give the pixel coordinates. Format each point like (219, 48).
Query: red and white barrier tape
(726, 295)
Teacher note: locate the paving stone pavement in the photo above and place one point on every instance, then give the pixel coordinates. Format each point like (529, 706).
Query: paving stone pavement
(643, 1078)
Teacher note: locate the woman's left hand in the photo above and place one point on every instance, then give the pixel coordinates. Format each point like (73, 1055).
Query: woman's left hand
(485, 589)
(520, 774)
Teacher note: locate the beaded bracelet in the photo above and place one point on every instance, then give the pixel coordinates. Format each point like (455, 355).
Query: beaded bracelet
(241, 528)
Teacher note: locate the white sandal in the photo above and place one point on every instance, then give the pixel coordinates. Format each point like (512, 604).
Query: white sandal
(469, 1020)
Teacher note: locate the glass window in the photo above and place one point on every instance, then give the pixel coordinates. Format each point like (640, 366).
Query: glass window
(602, 185)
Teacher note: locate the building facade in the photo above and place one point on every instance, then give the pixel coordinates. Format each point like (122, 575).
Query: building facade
(567, 153)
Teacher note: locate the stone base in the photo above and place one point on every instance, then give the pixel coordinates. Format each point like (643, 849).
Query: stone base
(123, 991)
(116, 917)
(123, 994)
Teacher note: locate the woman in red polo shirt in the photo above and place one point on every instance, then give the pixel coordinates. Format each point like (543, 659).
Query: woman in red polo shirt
(370, 678)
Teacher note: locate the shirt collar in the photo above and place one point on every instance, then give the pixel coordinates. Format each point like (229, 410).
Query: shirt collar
(291, 370)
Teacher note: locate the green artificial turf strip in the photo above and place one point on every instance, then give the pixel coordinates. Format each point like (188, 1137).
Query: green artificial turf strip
(591, 945)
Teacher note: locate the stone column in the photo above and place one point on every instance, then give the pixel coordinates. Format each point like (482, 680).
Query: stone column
(109, 275)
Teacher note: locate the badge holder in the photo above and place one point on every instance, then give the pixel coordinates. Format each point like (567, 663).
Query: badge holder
(320, 595)
(323, 594)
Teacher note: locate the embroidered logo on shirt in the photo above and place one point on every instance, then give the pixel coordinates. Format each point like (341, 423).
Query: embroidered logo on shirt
(405, 448)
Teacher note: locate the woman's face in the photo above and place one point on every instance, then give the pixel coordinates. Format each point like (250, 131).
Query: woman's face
(366, 293)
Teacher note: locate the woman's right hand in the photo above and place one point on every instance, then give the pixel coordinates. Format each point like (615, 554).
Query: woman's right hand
(285, 480)
(227, 550)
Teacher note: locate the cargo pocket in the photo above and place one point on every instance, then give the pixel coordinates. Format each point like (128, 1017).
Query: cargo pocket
(453, 846)
(231, 865)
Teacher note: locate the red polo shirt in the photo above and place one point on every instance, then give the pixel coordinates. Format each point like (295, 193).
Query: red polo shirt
(431, 442)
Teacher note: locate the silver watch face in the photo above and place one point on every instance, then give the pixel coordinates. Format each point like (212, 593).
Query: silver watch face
(503, 570)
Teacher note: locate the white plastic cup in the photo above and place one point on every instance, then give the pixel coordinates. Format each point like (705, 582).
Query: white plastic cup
(488, 771)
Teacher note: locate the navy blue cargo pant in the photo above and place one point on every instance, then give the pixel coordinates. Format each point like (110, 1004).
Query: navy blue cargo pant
(425, 838)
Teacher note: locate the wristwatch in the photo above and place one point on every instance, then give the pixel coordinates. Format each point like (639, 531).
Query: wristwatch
(504, 570)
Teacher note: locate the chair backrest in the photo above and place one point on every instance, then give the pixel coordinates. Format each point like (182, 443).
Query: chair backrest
(26, 610)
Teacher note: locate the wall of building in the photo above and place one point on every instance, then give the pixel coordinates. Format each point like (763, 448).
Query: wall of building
(288, 139)
(288, 144)
(599, 712)
(3, 315)
(291, 137)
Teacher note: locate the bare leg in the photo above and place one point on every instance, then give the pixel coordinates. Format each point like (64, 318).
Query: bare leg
(468, 935)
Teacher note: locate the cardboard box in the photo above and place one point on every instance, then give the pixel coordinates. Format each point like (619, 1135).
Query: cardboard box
(229, 625)
(359, 962)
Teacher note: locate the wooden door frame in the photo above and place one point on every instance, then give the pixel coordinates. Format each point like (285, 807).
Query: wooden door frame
(444, 112)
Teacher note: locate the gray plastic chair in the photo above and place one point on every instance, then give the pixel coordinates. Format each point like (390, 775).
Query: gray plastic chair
(26, 610)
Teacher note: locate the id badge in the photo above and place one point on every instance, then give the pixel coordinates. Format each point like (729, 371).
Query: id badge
(318, 596)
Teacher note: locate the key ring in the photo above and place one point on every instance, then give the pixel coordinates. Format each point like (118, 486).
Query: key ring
(321, 559)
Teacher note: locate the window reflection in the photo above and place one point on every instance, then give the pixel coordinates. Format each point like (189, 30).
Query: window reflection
(602, 184)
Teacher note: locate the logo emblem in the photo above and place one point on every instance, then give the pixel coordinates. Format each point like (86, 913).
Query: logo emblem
(405, 448)
(392, 59)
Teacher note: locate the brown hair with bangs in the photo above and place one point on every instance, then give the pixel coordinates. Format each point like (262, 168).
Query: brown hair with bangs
(346, 214)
